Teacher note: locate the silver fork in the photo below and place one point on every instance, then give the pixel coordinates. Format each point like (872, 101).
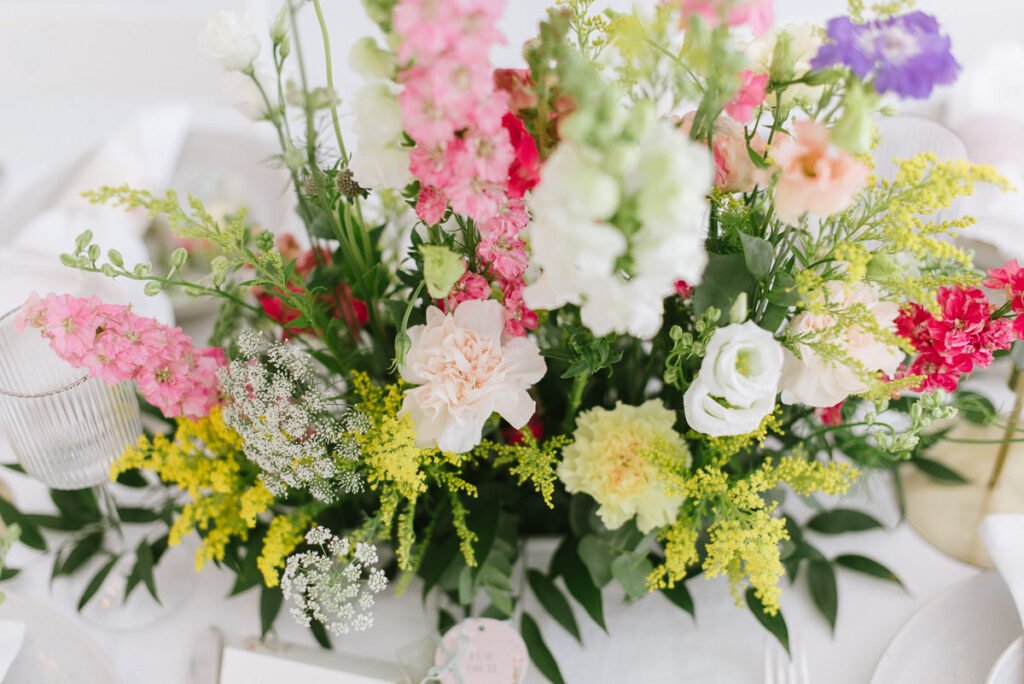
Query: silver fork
(781, 668)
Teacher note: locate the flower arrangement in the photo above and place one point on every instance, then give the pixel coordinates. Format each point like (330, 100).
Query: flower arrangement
(626, 296)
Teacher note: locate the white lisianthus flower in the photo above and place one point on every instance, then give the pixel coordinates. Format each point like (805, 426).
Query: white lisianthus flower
(465, 372)
(616, 457)
(737, 383)
(814, 381)
(620, 275)
(370, 61)
(227, 38)
(379, 161)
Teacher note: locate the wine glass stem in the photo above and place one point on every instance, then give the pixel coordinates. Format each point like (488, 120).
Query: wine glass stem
(111, 518)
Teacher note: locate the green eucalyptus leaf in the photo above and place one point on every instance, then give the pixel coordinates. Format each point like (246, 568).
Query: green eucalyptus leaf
(821, 578)
(758, 254)
(631, 571)
(539, 652)
(271, 600)
(867, 566)
(775, 624)
(96, 582)
(597, 555)
(680, 596)
(553, 601)
(566, 563)
(938, 471)
(841, 520)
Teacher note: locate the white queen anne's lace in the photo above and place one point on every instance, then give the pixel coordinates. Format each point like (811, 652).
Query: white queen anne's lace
(334, 584)
(278, 407)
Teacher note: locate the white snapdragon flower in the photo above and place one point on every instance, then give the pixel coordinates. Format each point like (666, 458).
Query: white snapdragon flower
(379, 161)
(618, 277)
(737, 383)
(815, 381)
(465, 371)
(227, 38)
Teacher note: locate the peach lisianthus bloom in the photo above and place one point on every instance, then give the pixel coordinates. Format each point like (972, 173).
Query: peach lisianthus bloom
(466, 371)
(815, 176)
(734, 170)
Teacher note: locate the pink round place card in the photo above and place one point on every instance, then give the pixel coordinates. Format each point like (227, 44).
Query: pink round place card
(482, 651)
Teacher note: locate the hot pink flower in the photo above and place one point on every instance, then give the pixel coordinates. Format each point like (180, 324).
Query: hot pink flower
(814, 175)
(431, 206)
(749, 96)
(1010, 279)
(961, 338)
(684, 289)
(518, 317)
(832, 415)
(469, 286)
(524, 173)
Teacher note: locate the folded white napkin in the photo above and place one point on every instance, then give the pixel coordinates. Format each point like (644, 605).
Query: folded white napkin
(144, 154)
(1003, 534)
(12, 636)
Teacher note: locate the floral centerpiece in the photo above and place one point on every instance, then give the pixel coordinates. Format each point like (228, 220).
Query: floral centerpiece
(627, 296)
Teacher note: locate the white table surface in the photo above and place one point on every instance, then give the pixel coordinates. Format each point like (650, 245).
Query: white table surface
(76, 71)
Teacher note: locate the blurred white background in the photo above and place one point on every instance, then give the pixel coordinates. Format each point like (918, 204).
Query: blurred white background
(75, 70)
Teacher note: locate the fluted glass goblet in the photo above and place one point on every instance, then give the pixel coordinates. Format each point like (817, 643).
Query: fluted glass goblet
(67, 429)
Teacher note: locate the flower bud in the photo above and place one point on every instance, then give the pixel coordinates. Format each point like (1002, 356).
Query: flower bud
(370, 61)
(442, 268)
(179, 257)
(281, 25)
(402, 346)
(142, 270)
(94, 253)
(738, 311)
(69, 260)
(108, 270)
(854, 130)
(153, 288)
(83, 240)
(115, 258)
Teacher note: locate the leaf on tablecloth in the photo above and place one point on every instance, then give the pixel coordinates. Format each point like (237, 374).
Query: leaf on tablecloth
(539, 652)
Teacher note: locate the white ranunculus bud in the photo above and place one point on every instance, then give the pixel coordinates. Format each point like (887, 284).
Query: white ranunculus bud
(282, 24)
(370, 61)
(228, 39)
(737, 383)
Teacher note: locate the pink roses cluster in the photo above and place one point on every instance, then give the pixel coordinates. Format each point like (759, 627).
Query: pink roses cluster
(471, 152)
(961, 337)
(115, 345)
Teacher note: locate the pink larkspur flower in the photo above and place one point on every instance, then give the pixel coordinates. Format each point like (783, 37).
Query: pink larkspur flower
(114, 345)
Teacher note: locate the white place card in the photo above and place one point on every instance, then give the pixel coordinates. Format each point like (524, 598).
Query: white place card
(255, 663)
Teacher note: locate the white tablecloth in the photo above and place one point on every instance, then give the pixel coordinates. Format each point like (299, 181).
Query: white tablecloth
(64, 94)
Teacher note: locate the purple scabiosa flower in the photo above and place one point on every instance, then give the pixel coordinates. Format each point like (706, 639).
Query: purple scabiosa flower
(905, 54)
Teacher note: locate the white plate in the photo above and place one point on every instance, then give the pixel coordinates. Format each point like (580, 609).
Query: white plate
(55, 650)
(1009, 669)
(956, 637)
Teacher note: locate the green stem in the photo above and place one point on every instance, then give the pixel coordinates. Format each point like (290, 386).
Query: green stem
(330, 78)
(579, 385)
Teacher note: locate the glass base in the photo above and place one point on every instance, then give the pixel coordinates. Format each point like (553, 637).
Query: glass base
(174, 580)
(947, 516)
